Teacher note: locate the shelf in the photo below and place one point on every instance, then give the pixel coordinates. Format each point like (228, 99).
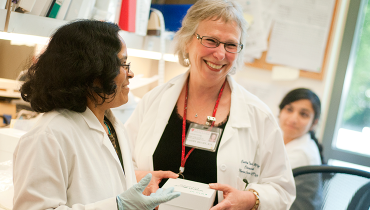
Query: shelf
(26, 24)
(45, 27)
(32, 24)
(9, 88)
(149, 43)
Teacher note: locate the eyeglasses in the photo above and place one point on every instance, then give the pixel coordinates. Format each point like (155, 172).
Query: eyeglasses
(127, 67)
(211, 42)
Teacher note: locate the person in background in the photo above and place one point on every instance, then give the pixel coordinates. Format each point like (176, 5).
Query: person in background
(76, 156)
(249, 167)
(299, 113)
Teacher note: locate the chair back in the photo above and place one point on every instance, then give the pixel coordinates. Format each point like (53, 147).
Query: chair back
(326, 187)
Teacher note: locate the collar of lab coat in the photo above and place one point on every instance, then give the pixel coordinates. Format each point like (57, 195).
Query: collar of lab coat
(238, 118)
(94, 124)
(91, 120)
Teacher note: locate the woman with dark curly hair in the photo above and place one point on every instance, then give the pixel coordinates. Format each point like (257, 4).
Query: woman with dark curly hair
(76, 156)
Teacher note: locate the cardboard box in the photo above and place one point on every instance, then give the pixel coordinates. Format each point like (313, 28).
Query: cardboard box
(194, 195)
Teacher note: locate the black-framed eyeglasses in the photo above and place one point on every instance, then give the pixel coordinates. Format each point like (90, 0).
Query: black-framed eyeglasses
(127, 67)
(211, 42)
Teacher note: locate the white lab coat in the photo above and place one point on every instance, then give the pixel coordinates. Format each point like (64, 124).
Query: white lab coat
(251, 147)
(303, 151)
(68, 162)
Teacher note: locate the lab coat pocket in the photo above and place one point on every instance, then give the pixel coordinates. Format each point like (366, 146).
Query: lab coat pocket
(241, 185)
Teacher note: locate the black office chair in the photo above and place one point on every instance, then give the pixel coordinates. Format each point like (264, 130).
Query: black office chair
(326, 187)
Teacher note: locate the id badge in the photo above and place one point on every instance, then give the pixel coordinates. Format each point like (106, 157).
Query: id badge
(203, 137)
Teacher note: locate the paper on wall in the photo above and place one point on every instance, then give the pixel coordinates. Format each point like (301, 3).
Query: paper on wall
(258, 14)
(284, 73)
(300, 33)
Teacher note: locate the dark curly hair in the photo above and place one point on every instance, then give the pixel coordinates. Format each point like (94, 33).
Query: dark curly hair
(78, 54)
(303, 93)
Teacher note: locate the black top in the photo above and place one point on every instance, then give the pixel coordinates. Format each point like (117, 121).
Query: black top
(201, 166)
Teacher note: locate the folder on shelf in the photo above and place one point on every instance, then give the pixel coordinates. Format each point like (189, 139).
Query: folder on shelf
(54, 8)
(40, 7)
(50, 7)
(63, 10)
(107, 10)
(80, 9)
(134, 16)
(127, 15)
(142, 16)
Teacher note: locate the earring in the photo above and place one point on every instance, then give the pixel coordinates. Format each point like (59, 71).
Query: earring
(232, 70)
(186, 61)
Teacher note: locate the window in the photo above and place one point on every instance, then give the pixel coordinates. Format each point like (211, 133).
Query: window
(347, 130)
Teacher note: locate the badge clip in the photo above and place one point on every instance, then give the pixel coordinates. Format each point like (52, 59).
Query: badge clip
(181, 170)
(210, 120)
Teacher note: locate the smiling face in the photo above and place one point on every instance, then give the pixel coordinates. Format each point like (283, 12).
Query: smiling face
(121, 79)
(213, 64)
(296, 119)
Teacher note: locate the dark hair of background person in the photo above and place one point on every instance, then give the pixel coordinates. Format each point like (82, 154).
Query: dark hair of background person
(303, 93)
(79, 54)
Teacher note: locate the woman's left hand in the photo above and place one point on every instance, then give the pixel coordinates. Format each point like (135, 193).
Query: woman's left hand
(156, 179)
(233, 199)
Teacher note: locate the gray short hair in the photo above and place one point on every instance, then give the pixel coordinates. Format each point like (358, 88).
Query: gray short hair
(226, 10)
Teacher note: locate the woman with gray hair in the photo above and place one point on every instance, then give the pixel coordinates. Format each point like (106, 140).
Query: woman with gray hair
(170, 128)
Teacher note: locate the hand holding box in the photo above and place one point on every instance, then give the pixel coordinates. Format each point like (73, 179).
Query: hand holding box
(194, 195)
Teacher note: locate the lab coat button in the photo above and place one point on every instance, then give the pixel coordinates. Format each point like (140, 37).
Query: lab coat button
(223, 167)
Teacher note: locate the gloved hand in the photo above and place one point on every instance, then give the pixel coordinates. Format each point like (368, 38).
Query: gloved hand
(133, 198)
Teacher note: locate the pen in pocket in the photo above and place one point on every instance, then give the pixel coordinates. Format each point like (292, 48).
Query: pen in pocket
(246, 183)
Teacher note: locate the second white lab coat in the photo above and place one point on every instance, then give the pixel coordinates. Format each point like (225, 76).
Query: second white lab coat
(68, 162)
(303, 151)
(251, 147)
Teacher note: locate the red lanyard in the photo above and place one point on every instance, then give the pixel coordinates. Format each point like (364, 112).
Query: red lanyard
(183, 157)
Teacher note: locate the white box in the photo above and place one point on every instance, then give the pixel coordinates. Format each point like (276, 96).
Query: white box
(194, 195)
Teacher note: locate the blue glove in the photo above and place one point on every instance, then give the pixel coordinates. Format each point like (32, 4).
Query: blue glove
(133, 198)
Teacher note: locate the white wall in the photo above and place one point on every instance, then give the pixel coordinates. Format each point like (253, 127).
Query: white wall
(260, 83)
